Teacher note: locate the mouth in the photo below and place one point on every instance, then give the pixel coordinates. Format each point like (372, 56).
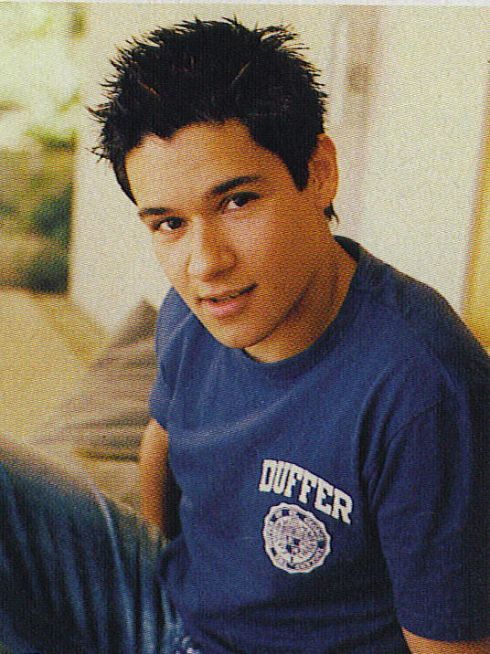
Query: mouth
(226, 297)
(228, 305)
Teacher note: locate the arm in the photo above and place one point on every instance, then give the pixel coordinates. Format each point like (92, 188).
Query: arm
(153, 474)
(419, 645)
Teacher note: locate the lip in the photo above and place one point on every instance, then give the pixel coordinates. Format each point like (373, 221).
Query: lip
(218, 307)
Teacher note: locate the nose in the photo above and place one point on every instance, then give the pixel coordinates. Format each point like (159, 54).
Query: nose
(210, 253)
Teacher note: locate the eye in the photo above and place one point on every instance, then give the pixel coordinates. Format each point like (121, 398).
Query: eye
(239, 200)
(167, 224)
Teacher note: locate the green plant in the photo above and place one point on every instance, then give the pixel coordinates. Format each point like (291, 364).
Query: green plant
(48, 271)
(51, 218)
(6, 209)
(50, 140)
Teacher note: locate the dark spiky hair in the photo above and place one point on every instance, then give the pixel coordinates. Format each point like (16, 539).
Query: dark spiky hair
(211, 72)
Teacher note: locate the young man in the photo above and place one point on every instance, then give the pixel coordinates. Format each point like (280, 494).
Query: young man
(322, 414)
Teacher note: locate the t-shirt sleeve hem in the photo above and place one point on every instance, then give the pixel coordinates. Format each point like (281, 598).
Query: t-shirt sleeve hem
(158, 403)
(445, 630)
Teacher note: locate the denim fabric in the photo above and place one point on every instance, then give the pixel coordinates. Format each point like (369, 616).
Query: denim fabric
(177, 642)
(185, 645)
(78, 573)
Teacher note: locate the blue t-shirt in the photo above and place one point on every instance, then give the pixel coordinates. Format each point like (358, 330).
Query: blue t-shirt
(333, 496)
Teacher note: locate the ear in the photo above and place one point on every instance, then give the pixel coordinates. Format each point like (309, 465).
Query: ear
(324, 174)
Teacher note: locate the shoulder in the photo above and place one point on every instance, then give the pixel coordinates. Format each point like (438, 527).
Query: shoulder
(412, 353)
(181, 339)
(174, 315)
(412, 324)
(176, 327)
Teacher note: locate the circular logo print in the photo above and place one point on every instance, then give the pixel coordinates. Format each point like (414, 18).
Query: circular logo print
(295, 540)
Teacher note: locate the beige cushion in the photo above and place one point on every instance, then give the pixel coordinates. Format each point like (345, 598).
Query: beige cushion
(105, 418)
(102, 423)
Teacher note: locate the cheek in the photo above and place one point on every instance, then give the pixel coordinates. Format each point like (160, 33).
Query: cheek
(288, 262)
(263, 237)
(280, 247)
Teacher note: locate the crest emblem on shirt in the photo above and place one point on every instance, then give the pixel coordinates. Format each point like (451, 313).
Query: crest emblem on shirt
(295, 540)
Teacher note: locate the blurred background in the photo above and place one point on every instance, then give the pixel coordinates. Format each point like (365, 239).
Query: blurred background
(40, 109)
(408, 111)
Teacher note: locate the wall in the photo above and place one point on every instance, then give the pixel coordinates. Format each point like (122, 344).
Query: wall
(425, 140)
(477, 300)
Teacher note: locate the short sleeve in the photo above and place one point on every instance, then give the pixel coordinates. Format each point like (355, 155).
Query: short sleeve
(160, 398)
(430, 497)
(167, 347)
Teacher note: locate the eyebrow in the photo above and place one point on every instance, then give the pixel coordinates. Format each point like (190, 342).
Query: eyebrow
(219, 189)
(230, 184)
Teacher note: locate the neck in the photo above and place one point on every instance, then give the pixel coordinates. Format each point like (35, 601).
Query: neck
(315, 309)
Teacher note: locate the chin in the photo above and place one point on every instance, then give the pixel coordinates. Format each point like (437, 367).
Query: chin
(234, 340)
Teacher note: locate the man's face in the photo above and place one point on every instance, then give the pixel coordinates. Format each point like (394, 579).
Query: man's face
(241, 245)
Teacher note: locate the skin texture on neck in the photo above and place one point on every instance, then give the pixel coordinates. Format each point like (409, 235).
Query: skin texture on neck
(314, 311)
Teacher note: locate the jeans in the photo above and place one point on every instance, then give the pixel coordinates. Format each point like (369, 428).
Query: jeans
(79, 574)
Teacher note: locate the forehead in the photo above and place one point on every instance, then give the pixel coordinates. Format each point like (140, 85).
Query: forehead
(196, 157)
